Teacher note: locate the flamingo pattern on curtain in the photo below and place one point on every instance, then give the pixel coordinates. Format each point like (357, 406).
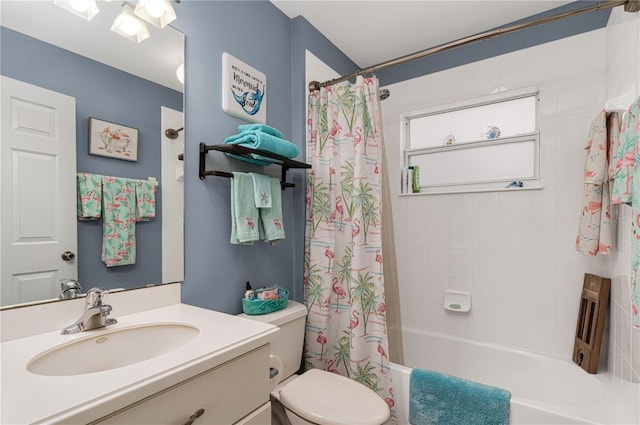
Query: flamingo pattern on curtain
(343, 268)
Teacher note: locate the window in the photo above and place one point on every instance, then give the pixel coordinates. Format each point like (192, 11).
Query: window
(479, 145)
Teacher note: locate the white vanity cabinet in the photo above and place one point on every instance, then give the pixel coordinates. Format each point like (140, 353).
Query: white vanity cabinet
(236, 392)
(223, 370)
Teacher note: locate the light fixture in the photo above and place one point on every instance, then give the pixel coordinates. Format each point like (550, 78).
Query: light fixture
(157, 12)
(86, 9)
(180, 73)
(128, 25)
(180, 69)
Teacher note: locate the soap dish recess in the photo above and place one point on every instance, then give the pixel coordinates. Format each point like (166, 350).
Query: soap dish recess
(458, 301)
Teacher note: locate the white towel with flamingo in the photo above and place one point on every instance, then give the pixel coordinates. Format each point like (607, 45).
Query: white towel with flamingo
(594, 226)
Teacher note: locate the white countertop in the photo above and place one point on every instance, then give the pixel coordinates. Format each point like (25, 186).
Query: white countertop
(31, 398)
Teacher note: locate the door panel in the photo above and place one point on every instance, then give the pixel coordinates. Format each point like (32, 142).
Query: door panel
(38, 221)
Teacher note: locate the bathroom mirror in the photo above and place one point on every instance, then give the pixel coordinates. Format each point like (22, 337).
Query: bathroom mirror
(152, 64)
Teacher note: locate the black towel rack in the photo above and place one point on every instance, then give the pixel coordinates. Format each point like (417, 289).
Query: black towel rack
(285, 163)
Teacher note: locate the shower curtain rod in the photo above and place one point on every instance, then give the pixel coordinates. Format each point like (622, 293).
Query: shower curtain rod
(629, 6)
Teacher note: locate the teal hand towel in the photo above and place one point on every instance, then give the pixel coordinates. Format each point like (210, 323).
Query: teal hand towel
(261, 190)
(118, 221)
(244, 214)
(89, 189)
(439, 399)
(262, 141)
(260, 127)
(271, 218)
(145, 199)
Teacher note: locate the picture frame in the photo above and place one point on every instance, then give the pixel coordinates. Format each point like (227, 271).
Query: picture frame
(112, 140)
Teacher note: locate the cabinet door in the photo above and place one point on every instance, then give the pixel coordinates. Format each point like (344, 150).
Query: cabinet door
(223, 395)
(261, 416)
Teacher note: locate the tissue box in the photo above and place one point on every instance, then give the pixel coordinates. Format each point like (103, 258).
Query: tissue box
(258, 306)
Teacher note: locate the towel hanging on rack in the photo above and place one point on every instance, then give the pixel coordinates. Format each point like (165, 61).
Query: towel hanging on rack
(630, 134)
(255, 139)
(89, 196)
(145, 199)
(261, 190)
(250, 223)
(626, 159)
(244, 214)
(260, 127)
(594, 228)
(120, 202)
(118, 221)
(271, 218)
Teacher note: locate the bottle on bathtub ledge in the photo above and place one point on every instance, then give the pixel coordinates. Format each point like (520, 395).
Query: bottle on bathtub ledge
(458, 301)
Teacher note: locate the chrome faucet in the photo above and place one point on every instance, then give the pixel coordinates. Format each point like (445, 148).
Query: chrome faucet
(95, 313)
(70, 288)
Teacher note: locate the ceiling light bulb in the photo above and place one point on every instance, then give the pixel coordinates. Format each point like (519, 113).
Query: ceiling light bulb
(155, 8)
(128, 25)
(86, 9)
(180, 73)
(80, 5)
(157, 12)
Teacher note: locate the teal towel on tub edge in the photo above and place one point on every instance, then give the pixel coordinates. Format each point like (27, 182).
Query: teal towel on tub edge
(439, 399)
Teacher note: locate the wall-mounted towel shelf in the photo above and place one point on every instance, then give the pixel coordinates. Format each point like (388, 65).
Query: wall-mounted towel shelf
(285, 163)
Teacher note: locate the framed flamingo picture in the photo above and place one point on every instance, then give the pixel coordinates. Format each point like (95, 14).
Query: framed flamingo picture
(112, 140)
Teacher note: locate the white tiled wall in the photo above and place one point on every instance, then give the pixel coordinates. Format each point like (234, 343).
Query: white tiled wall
(514, 251)
(623, 73)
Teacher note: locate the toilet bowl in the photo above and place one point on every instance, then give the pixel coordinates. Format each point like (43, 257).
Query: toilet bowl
(315, 397)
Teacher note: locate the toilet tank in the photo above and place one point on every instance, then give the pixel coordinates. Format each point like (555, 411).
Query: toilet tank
(290, 341)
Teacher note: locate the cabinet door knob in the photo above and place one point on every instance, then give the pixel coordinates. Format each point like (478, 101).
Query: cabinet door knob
(195, 416)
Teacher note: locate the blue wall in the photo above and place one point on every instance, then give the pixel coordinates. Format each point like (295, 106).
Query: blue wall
(258, 34)
(112, 95)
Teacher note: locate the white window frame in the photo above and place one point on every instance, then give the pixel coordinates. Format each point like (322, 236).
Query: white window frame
(529, 182)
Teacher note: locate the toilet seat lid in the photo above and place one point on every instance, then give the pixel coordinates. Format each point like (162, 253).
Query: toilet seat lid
(326, 398)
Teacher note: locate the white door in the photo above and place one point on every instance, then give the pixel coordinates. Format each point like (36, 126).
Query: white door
(37, 182)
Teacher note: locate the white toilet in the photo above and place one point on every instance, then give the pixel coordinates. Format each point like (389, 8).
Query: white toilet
(315, 397)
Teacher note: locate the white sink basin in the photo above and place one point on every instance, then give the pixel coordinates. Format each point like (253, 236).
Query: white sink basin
(110, 350)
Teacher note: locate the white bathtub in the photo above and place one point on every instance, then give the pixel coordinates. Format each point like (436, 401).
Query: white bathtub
(544, 390)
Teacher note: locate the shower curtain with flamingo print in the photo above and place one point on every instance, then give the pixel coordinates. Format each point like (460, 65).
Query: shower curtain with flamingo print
(344, 288)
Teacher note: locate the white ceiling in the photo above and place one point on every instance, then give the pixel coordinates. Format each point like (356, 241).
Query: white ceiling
(368, 31)
(374, 31)
(155, 59)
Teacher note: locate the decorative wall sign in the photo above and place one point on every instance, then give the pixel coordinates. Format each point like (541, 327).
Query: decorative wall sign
(243, 90)
(113, 140)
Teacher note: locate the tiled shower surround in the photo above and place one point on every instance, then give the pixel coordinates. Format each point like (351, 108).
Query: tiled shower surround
(514, 250)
